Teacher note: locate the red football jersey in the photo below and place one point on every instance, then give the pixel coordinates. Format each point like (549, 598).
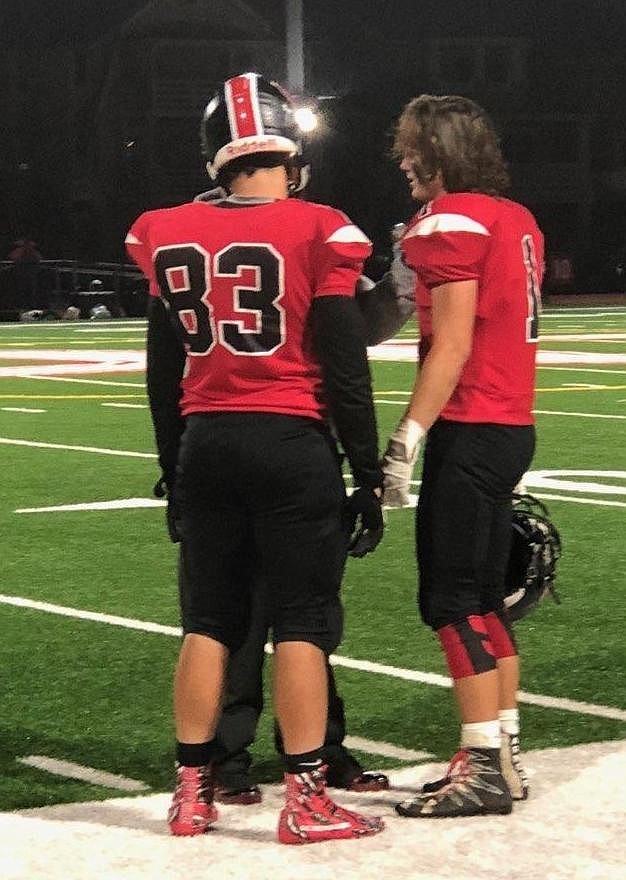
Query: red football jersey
(468, 236)
(242, 280)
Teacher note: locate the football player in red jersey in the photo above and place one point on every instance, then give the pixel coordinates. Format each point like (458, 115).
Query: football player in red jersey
(261, 290)
(478, 260)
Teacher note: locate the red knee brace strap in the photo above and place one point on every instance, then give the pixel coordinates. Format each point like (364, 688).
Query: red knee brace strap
(467, 647)
(501, 635)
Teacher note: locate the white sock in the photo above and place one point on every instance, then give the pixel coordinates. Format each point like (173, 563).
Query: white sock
(481, 734)
(509, 721)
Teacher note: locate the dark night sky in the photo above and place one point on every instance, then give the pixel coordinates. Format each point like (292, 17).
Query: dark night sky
(583, 23)
(588, 31)
(54, 21)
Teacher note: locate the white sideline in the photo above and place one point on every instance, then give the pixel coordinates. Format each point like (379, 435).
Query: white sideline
(70, 770)
(571, 828)
(432, 678)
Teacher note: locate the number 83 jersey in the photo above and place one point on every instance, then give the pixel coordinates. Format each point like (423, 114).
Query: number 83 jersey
(240, 280)
(497, 243)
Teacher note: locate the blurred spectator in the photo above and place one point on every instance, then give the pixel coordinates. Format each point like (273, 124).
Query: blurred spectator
(26, 258)
(614, 272)
(97, 296)
(24, 251)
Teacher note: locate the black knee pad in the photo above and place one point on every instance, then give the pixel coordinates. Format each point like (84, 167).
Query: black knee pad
(320, 624)
(335, 623)
(442, 607)
(231, 632)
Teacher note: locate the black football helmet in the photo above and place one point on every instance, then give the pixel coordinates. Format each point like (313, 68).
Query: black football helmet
(535, 551)
(249, 115)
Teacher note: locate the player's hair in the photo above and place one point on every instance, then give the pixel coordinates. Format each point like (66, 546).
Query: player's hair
(451, 135)
(249, 164)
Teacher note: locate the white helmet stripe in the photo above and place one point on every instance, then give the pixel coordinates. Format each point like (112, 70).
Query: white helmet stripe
(242, 103)
(254, 100)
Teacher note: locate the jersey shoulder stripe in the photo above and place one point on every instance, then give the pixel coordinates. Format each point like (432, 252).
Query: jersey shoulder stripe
(443, 223)
(348, 233)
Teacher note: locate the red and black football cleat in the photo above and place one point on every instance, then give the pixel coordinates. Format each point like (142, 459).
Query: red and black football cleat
(473, 786)
(310, 816)
(192, 810)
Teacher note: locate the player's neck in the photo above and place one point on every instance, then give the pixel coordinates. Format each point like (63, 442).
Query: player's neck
(265, 183)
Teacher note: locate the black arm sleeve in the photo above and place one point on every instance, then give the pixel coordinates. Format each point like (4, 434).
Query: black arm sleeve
(165, 364)
(339, 339)
(384, 311)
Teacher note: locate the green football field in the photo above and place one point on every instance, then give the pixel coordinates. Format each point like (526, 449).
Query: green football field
(89, 598)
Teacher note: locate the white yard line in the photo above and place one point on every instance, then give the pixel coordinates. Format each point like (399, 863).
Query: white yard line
(387, 750)
(554, 412)
(585, 312)
(542, 412)
(70, 770)
(118, 504)
(597, 502)
(127, 405)
(431, 678)
(74, 325)
(583, 337)
(582, 369)
(22, 409)
(128, 503)
(94, 616)
(109, 329)
(8, 441)
(82, 381)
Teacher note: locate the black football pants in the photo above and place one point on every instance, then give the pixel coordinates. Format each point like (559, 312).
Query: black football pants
(463, 517)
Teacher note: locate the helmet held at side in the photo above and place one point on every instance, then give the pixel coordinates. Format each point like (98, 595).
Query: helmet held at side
(535, 551)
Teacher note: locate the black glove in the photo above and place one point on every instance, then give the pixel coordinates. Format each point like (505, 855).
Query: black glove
(164, 488)
(364, 521)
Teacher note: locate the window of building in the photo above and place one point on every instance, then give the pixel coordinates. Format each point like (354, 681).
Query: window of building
(175, 144)
(518, 145)
(498, 64)
(457, 64)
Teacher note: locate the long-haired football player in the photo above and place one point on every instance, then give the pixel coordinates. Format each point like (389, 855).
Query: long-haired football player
(261, 290)
(478, 259)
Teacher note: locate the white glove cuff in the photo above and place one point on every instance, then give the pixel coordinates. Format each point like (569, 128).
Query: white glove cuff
(412, 433)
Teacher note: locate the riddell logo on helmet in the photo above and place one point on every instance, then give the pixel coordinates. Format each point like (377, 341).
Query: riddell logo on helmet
(253, 146)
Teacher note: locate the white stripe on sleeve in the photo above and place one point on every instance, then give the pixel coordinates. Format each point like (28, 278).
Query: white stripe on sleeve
(348, 233)
(433, 223)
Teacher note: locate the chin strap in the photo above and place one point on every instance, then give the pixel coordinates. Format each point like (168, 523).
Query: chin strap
(299, 176)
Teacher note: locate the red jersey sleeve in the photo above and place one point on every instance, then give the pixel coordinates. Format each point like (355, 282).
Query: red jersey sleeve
(138, 248)
(342, 250)
(446, 247)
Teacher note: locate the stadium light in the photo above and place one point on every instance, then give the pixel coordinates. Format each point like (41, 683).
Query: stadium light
(306, 119)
